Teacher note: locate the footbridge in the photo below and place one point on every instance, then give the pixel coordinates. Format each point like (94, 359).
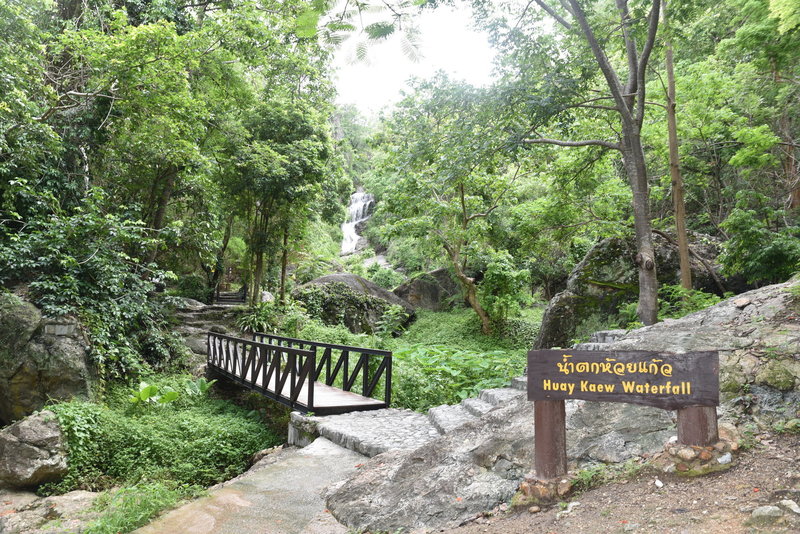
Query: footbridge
(307, 376)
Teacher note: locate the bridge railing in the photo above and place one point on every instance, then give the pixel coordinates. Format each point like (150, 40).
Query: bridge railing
(355, 369)
(265, 368)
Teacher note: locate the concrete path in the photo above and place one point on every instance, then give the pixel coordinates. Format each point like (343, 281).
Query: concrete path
(283, 497)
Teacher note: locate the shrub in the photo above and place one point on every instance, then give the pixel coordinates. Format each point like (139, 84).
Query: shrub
(194, 287)
(85, 263)
(274, 318)
(430, 375)
(504, 287)
(386, 278)
(191, 441)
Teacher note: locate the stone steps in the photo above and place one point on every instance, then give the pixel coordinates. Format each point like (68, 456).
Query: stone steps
(377, 431)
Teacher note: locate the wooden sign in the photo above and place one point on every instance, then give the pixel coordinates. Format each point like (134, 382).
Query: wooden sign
(661, 379)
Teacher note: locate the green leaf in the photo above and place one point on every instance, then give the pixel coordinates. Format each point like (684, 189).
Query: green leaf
(380, 30)
(307, 23)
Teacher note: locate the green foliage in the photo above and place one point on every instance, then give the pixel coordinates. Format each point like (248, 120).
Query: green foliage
(675, 301)
(759, 248)
(336, 334)
(191, 441)
(274, 318)
(199, 387)
(133, 506)
(457, 329)
(386, 278)
(84, 262)
(503, 288)
(430, 375)
(194, 287)
(152, 394)
(392, 322)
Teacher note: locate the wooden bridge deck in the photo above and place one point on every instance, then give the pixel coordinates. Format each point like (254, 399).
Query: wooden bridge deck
(290, 375)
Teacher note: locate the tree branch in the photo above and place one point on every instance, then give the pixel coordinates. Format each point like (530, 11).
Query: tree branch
(652, 29)
(602, 60)
(630, 47)
(558, 142)
(552, 13)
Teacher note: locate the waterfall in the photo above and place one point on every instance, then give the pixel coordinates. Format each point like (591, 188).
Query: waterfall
(358, 211)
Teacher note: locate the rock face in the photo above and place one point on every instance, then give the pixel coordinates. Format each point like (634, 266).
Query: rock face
(757, 335)
(40, 359)
(350, 300)
(608, 277)
(32, 451)
(443, 482)
(434, 291)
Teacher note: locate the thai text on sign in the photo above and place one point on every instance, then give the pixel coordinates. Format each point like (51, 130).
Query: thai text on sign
(662, 379)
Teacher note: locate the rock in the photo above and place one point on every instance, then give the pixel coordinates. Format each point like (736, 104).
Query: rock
(481, 464)
(71, 512)
(658, 484)
(741, 303)
(435, 291)
(445, 482)
(764, 516)
(790, 505)
(40, 358)
(32, 451)
(350, 300)
(534, 509)
(614, 432)
(608, 277)
(686, 454)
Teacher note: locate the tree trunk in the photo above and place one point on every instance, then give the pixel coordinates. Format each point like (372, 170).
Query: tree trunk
(284, 262)
(219, 262)
(674, 167)
(157, 224)
(635, 168)
(470, 290)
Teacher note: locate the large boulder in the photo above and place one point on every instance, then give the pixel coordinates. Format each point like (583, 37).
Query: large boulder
(478, 466)
(41, 358)
(434, 291)
(350, 300)
(32, 451)
(608, 277)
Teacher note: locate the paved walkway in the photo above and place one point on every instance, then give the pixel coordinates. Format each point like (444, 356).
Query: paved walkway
(283, 497)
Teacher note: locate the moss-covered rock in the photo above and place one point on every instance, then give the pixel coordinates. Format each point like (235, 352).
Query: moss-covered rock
(778, 374)
(40, 358)
(350, 300)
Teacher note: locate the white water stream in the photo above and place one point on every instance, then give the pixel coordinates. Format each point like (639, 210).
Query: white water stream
(357, 211)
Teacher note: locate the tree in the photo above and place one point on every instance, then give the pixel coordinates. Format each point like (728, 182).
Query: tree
(450, 172)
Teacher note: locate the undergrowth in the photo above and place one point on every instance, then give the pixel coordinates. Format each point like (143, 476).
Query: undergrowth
(193, 441)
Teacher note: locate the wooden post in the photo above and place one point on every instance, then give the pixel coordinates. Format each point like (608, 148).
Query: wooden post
(550, 442)
(697, 425)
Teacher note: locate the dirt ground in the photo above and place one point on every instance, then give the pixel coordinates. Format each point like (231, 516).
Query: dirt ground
(763, 475)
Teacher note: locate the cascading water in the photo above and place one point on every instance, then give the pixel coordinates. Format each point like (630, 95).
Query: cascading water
(358, 211)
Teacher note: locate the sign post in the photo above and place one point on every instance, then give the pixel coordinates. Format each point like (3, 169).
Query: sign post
(688, 383)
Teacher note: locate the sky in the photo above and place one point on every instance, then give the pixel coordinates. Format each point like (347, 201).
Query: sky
(447, 43)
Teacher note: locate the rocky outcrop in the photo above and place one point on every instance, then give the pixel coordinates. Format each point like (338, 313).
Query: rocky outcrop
(32, 451)
(436, 291)
(757, 335)
(40, 358)
(608, 277)
(350, 300)
(443, 482)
